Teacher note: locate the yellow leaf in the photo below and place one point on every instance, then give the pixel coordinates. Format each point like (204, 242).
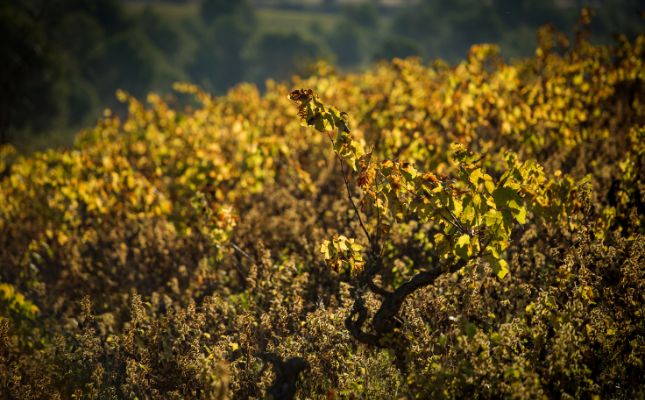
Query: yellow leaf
(503, 269)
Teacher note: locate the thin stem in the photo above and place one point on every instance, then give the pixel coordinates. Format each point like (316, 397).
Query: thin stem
(377, 250)
(239, 250)
(455, 222)
(349, 192)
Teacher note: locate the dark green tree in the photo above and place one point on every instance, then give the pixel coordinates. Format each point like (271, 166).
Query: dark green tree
(280, 55)
(218, 63)
(29, 70)
(210, 10)
(345, 41)
(365, 15)
(396, 46)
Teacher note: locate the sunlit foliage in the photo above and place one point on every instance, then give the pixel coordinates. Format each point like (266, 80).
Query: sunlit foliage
(441, 232)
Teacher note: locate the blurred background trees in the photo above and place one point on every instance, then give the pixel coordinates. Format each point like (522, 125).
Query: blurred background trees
(62, 60)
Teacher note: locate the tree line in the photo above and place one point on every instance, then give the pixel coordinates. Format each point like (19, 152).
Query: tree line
(63, 60)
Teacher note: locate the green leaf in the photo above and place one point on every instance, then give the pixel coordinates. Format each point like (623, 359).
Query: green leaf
(503, 195)
(502, 269)
(488, 183)
(513, 204)
(471, 329)
(457, 207)
(356, 247)
(468, 214)
(462, 246)
(408, 172)
(463, 240)
(493, 254)
(492, 218)
(520, 215)
(475, 176)
(319, 123)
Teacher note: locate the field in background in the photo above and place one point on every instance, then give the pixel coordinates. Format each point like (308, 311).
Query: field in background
(270, 19)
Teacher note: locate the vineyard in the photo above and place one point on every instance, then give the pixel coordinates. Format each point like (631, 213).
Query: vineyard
(412, 231)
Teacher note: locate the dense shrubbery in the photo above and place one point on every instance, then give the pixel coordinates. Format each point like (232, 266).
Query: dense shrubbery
(474, 231)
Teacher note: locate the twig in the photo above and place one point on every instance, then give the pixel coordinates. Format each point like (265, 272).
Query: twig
(349, 191)
(239, 250)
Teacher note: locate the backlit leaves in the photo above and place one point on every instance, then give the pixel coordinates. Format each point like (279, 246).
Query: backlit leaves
(342, 254)
(478, 211)
(313, 112)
